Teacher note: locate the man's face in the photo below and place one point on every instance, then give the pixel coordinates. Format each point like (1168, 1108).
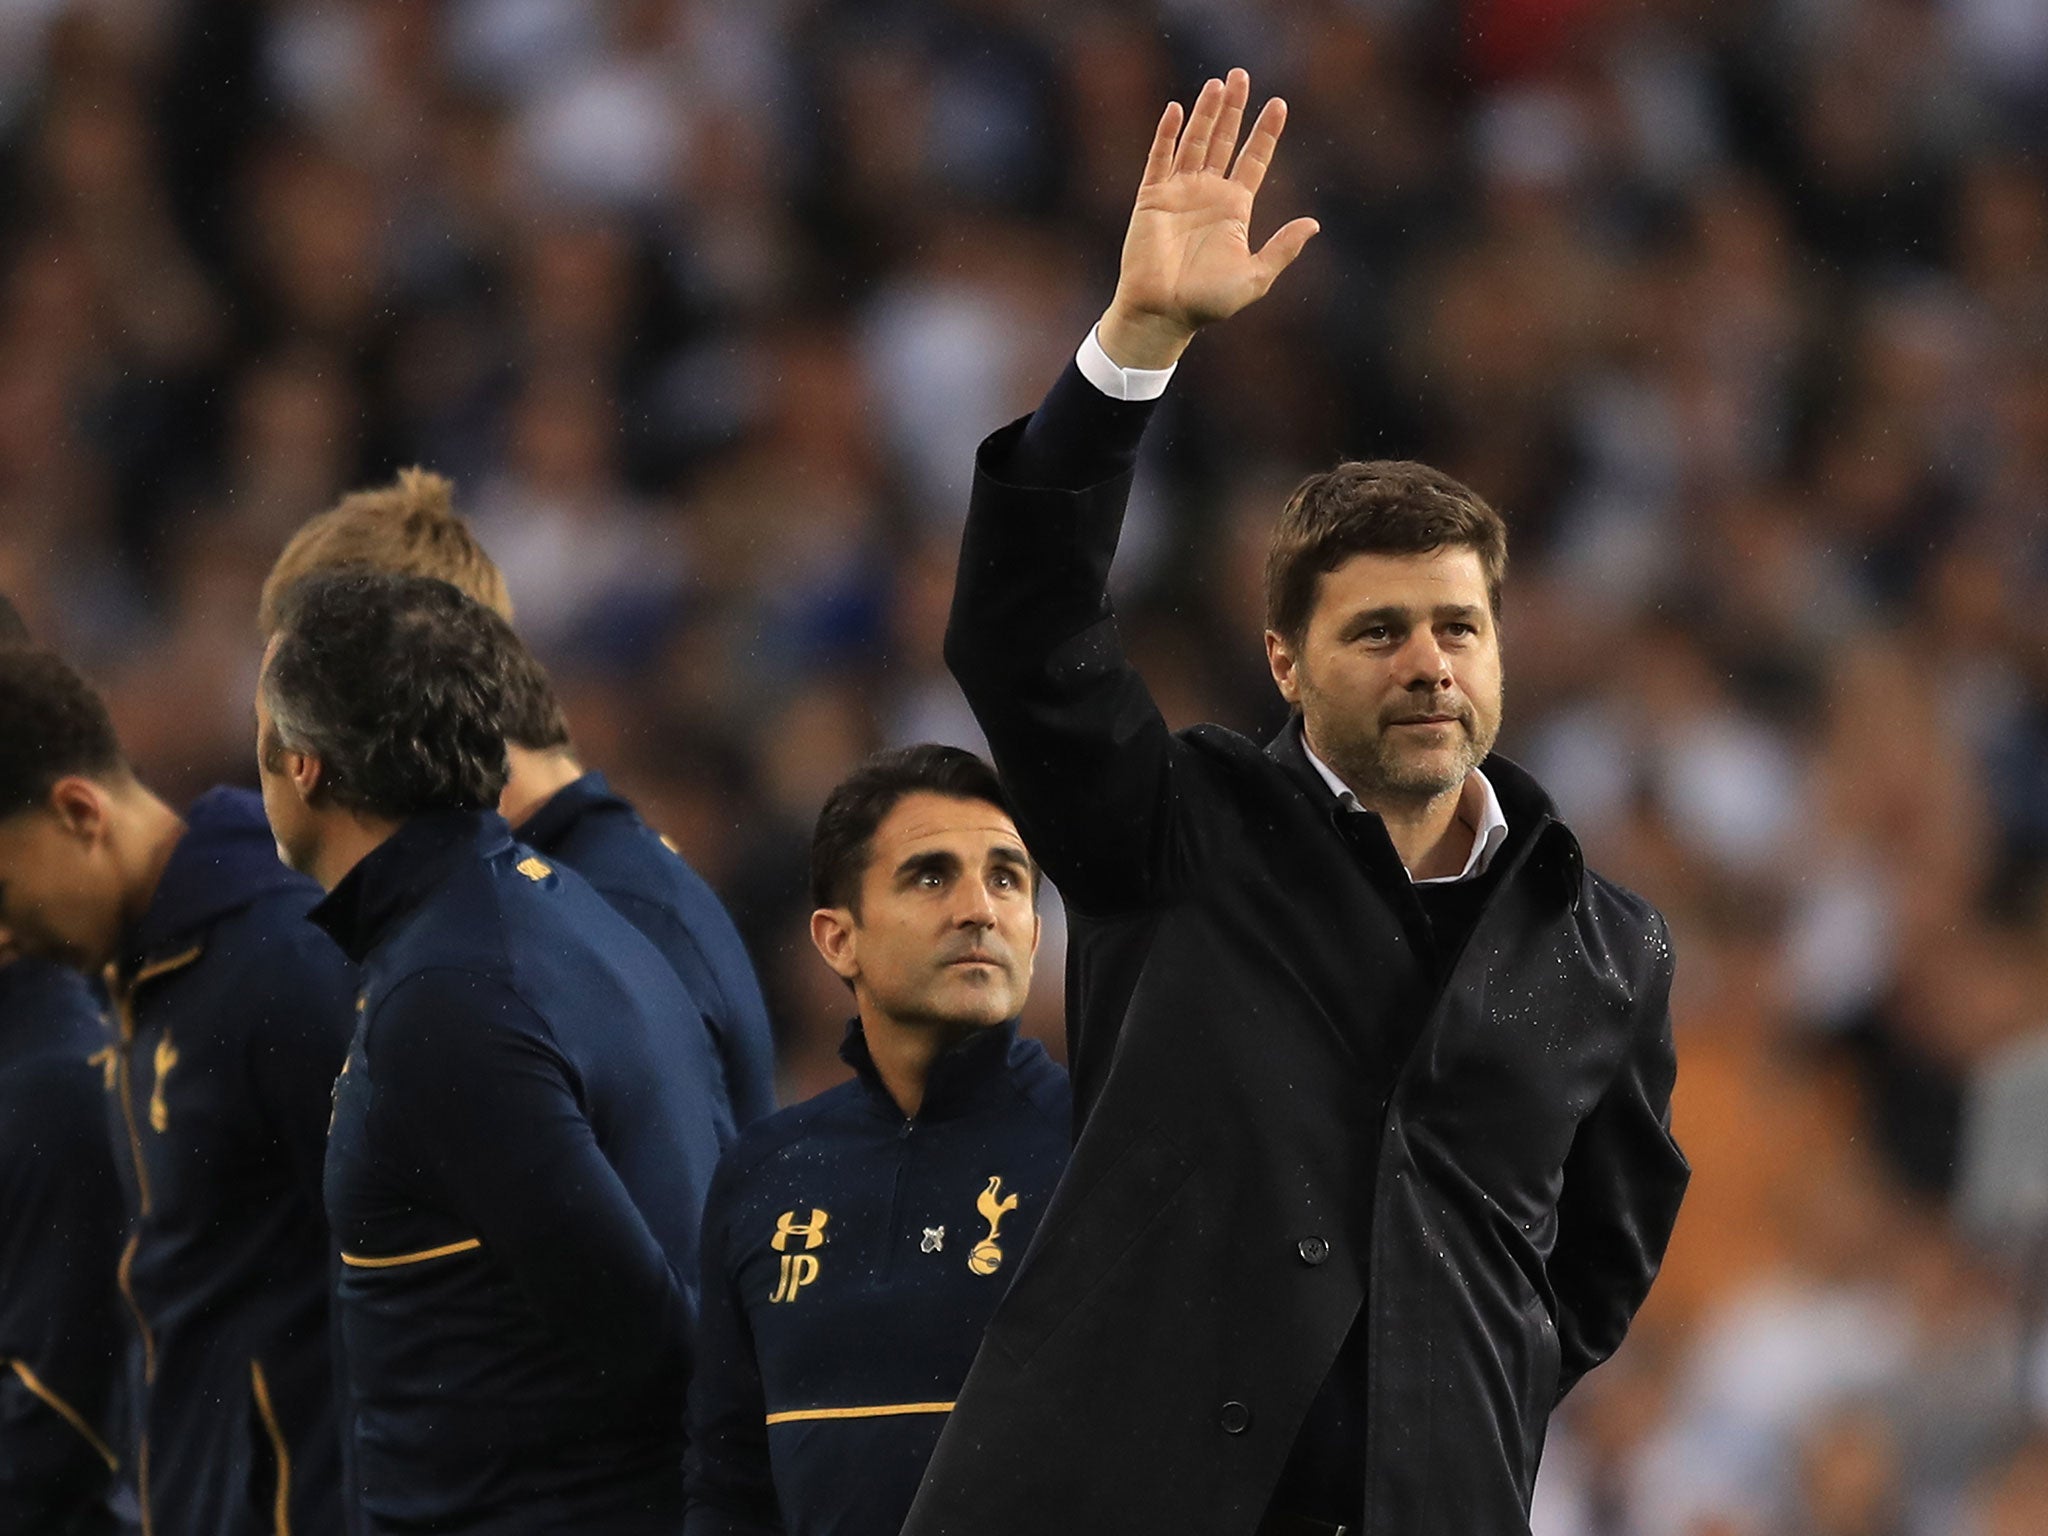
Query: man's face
(60, 886)
(1397, 673)
(946, 931)
(291, 820)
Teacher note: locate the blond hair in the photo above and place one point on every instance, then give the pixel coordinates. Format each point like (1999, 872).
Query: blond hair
(408, 528)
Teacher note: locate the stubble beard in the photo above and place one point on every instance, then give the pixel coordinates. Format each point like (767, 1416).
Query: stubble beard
(1378, 770)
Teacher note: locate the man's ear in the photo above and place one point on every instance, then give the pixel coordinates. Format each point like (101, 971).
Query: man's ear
(1283, 662)
(80, 806)
(833, 930)
(303, 769)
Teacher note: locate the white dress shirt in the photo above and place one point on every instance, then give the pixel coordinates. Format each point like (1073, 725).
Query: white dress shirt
(1116, 381)
(1478, 807)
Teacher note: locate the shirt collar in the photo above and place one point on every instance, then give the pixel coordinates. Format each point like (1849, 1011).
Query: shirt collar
(1478, 807)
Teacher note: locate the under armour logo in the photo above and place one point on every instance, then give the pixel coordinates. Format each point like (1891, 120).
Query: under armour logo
(934, 1240)
(812, 1231)
(798, 1269)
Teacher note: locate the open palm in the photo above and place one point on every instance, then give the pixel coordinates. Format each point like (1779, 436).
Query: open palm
(1187, 258)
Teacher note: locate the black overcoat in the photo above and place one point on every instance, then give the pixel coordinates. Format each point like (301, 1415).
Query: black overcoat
(1283, 1117)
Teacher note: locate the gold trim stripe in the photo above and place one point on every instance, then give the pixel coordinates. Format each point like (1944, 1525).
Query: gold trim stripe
(281, 1510)
(873, 1411)
(124, 1062)
(158, 968)
(124, 1281)
(358, 1261)
(65, 1412)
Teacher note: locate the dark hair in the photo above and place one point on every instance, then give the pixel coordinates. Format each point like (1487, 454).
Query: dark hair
(400, 685)
(52, 725)
(12, 630)
(841, 842)
(533, 715)
(1376, 506)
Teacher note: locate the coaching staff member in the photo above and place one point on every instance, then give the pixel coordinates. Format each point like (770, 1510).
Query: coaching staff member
(61, 1225)
(1373, 1075)
(231, 1017)
(522, 1137)
(855, 1245)
(557, 807)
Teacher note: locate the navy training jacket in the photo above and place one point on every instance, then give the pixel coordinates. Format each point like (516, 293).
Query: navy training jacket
(588, 826)
(852, 1258)
(521, 1145)
(233, 1015)
(61, 1222)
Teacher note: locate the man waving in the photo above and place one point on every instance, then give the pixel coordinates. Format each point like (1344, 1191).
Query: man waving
(1372, 1075)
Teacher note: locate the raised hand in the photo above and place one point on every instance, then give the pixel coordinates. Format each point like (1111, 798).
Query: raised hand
(1187, 256)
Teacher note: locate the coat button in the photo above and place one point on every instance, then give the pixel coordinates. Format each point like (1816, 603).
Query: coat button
(1235, 1418)
(1313, 1250)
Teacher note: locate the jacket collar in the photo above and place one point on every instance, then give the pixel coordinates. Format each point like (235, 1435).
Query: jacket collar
(402, 871)
(1531, 813)
(564, 808)
(226, 858)
(957, 1078)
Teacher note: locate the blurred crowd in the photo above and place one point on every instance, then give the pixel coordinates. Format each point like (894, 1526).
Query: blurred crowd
(1739, 310)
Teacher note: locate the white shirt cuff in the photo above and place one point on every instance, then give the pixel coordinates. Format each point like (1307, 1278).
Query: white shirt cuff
(1115, 382)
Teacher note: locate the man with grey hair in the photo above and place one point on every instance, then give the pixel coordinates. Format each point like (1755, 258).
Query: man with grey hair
(522, 1135)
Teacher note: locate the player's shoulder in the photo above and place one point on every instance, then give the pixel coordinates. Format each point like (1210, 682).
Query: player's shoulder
(797, 1131)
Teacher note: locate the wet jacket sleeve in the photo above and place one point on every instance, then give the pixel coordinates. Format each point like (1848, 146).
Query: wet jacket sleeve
(1623, 1181)
(731, 1485)
(1085, 755)
(60, 1329)
(492, 1111)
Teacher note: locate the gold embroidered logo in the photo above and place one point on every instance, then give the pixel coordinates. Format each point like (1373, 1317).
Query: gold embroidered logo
(110, 1068)
(532, 868)
(800, 1268)
(159, 1111)
(987, 1258)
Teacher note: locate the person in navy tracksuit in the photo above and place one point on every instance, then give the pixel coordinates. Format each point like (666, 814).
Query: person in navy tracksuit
(232, 1017)
(61, 1333)
(598, 833)
(855, 1245)
(410, 528)
(523, 1133)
